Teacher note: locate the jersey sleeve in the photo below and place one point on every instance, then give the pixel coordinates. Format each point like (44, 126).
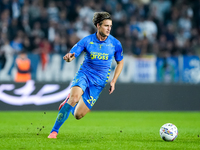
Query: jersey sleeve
(118, 52)
(78, 47)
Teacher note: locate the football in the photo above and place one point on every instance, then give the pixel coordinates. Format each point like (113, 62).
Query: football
(168, 132)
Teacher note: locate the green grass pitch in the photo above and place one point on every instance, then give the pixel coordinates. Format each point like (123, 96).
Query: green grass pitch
(98, 130)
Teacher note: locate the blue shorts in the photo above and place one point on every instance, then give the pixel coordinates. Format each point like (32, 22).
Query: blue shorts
(91, 91)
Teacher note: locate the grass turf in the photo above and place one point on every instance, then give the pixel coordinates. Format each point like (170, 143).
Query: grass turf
(98, 130)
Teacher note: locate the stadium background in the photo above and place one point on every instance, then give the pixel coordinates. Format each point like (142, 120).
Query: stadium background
(161, 45)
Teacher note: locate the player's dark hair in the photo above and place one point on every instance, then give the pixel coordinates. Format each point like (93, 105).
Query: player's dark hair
(99, 17)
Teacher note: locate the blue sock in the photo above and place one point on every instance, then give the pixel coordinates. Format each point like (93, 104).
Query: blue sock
(62, 116)
(73, 109)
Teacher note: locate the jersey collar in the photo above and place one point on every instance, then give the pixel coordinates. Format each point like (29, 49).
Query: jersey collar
(97, 40)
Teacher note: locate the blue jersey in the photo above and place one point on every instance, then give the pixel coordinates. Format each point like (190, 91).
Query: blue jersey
(98, 57)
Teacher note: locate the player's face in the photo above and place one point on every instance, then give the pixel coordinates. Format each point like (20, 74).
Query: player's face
(105, 28)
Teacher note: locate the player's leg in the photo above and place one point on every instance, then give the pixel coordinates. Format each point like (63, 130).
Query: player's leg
(87, 101)
(80, 112)
(64, 112)
(81, 109)
(63, 103)
(75, 95)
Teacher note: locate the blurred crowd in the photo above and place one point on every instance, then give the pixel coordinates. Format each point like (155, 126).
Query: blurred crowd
(161, 27)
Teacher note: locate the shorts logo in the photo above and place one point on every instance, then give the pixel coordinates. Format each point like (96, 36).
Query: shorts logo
(91, 101)
(75, 80)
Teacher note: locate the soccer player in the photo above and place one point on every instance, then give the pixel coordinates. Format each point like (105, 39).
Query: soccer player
(100, 49)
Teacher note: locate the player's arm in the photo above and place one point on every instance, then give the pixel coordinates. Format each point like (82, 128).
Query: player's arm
(117, 72)
(69, 57)
(75, 51)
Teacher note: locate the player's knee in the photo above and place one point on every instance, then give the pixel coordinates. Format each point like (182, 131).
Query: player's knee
(78, 116)
(74, 98)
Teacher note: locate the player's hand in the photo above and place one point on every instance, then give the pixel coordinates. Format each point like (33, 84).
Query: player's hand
(69, 57)
(112, 87)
